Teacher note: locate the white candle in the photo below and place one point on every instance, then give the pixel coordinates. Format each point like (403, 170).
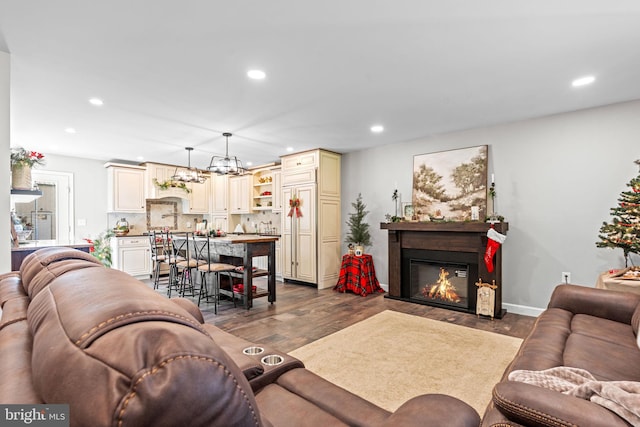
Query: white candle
(492, 179)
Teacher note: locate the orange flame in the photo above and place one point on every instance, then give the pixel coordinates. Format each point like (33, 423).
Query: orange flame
(442, 289)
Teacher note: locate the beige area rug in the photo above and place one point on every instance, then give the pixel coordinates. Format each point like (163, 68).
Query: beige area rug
(392, 357)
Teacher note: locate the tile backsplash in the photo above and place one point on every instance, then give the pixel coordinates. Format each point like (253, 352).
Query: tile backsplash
(138, 222)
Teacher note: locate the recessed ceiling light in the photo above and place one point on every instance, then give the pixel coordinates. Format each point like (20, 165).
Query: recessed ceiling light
(289, 149)
(249, 163)
(377, 128)
(70, 130)
(140, 158)
(256, 74)
(583, 81)
(96, 101)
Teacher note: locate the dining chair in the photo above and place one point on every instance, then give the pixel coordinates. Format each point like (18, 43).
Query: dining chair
(209, 267)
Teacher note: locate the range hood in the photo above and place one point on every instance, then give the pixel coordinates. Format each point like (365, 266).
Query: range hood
(25, 196)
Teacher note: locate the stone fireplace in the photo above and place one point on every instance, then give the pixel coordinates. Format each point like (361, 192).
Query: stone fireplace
(439, 264)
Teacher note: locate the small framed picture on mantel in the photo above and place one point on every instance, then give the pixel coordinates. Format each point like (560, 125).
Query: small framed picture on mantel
(408, 213)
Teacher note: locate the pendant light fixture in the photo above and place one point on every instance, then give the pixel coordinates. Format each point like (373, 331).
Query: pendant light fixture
(189, 174)
(226, 165)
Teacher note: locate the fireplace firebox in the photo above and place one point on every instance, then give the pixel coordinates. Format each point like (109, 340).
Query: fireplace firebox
(439, 264)
(440, 278)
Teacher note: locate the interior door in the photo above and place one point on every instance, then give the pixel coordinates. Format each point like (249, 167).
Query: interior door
(52, 214)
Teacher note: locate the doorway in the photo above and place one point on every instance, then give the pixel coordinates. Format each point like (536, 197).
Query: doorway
(50, 216)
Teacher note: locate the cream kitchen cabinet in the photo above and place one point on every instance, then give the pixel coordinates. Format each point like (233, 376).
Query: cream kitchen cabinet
(311, 242)
(194, 201)
(131, 255)
(277, 191)
(157, 175)
(220, 194)
(299, 235)
(300, 160)
(199, 198)
(220, 202)
(240, 188)
(125, 188)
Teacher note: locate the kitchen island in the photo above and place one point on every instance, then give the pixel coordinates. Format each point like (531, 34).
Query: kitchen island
(246, 247)
(235, 247)
(20, 252)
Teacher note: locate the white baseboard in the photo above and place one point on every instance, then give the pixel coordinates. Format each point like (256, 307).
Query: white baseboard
(385, 286)
(523, 309)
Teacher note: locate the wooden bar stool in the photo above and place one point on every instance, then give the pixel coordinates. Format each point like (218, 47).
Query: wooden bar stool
(186, 261)
(158, 256)
(209, 267)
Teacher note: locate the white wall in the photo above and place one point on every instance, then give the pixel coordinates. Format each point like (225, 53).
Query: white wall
(556, 179)
(5, 185)
(90, 191)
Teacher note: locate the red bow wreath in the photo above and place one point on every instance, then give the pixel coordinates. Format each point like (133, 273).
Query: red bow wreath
(294, 204)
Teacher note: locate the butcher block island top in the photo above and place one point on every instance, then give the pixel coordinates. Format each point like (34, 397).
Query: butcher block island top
(245, 238)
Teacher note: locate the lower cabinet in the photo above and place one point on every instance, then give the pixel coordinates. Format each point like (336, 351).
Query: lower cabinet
(131, 255)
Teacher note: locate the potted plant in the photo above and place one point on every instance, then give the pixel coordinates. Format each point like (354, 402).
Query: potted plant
(101, 248)
(358, 229)
(21, 163)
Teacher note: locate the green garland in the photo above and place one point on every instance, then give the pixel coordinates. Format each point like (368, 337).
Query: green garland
(171, 184)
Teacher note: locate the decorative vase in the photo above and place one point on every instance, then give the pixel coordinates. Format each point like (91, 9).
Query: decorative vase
(359, 250)
(122, 227)
(21, 177)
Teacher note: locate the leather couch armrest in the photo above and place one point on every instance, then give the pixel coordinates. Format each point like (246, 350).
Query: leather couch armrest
(433, 410)
(536, 406)
(188, 305)
(604, 303)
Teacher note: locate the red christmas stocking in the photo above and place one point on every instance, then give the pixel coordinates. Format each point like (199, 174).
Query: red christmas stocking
(494, 242)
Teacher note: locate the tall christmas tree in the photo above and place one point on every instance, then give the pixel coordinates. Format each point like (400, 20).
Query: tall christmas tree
(624, 231)
(358, 228)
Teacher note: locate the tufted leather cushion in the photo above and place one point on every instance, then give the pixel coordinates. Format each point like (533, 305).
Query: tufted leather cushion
(150, 359)
(584, 328)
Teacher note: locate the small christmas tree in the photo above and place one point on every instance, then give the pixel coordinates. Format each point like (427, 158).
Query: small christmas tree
(359, 229)
(624, 231)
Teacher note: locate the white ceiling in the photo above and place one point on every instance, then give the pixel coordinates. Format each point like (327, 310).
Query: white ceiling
(172, 74)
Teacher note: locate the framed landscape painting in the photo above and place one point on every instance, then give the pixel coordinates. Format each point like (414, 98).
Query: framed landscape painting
(447, 184)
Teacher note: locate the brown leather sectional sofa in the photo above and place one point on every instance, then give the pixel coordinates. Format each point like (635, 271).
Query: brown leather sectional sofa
(120, 354)
(591, 329)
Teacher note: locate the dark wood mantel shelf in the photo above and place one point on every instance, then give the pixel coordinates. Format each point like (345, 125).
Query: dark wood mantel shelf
(462, 227)
(442, 237)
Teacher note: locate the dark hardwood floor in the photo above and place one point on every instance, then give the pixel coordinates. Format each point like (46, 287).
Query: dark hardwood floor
(303, 314)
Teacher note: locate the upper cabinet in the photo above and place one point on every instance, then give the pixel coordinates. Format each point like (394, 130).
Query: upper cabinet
(196, 198)
(240, 190)
(199, 198)
(158, 182)
(220, 194)
(125, 188)
(300, 160)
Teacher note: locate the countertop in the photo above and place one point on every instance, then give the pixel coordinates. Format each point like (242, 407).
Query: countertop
(30, 245)
(241, 238)
(247, 238)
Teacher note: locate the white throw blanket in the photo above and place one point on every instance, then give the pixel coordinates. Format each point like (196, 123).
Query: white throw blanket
(621, 397)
